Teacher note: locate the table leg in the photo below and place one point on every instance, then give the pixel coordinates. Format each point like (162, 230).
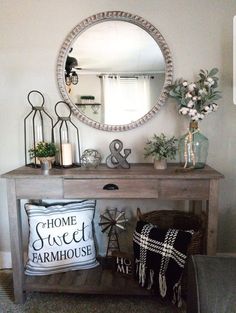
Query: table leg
(16, 241)
(212, 212)
(199, 207)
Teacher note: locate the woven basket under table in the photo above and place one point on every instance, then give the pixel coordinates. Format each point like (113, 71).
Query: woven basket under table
(184, 221)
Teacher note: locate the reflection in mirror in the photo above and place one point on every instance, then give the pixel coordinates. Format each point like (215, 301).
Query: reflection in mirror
(122, 71)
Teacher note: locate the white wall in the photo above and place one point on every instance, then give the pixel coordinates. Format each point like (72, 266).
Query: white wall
(199, 34)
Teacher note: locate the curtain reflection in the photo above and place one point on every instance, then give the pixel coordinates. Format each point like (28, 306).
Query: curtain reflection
(125, 98)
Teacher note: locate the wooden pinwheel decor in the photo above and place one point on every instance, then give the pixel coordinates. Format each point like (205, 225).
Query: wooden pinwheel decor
(112, 222)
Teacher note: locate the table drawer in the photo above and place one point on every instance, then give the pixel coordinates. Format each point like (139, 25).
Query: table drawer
(110, 188)
(184, 189)
(39, 188)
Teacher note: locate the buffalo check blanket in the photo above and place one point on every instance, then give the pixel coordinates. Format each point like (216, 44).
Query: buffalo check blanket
(160, 258)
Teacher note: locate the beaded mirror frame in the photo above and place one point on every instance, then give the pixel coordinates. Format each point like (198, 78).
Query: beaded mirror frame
(117, 16)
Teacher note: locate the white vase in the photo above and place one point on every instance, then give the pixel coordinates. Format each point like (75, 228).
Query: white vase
(160, 164)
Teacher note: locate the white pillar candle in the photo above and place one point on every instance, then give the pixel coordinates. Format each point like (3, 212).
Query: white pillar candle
(37, 161)
(39, 133)
(66, 154)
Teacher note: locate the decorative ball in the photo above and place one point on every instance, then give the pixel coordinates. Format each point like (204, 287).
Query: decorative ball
(91, 158)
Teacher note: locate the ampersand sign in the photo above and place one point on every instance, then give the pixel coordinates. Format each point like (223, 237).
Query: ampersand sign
(116, 159)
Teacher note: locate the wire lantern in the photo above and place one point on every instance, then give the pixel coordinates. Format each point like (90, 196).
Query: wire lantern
(66, 136)
(35, 125)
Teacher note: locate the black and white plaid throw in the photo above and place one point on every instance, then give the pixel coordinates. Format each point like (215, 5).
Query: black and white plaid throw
(160, 258)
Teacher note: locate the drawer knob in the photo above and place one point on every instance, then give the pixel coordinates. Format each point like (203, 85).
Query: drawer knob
(110, 187)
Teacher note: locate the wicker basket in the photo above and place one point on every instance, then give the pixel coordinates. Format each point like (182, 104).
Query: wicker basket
(179, 220)
(184, 221)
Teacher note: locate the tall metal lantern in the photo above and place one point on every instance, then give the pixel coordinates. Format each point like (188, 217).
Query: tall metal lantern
(37, 126)
(66, 137)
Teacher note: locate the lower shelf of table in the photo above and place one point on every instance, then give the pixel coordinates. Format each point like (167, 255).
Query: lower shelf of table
(92, 281)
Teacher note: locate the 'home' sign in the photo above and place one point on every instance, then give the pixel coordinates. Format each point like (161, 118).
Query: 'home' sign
(123, 263)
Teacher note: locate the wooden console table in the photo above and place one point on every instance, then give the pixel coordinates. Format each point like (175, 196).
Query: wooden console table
(141, 181)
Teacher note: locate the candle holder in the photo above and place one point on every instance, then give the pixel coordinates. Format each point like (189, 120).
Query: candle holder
(35, 125)
(66, 135)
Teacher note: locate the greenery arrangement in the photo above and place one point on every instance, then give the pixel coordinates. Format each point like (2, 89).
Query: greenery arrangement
(43, 150)
(196, 99)
(87, 97)
(160, 147)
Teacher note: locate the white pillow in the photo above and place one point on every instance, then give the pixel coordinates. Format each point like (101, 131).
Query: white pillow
(48, 202)
(60, 237)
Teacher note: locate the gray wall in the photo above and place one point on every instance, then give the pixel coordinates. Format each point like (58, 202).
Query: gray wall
(199, 34)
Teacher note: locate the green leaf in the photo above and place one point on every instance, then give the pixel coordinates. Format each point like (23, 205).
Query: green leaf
(202, 76)
(217, 97)
(213, 72)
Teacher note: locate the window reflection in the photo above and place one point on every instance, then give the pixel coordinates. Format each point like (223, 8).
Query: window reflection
(125, 98)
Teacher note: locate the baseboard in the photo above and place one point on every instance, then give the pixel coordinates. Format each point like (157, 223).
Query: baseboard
(5, 260)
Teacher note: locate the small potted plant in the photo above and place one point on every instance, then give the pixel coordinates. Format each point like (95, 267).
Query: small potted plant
(161, 148)
(45, 152)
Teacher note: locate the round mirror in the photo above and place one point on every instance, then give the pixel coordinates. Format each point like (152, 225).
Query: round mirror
(113, 70)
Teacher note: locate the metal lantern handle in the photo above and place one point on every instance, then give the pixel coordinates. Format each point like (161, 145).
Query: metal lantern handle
(36, 113)
(59, 116)
(28, 97)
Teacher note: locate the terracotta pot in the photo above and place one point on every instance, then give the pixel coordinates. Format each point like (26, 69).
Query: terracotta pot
(160, 164)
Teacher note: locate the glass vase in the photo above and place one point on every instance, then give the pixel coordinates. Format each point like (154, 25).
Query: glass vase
(193, 148)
